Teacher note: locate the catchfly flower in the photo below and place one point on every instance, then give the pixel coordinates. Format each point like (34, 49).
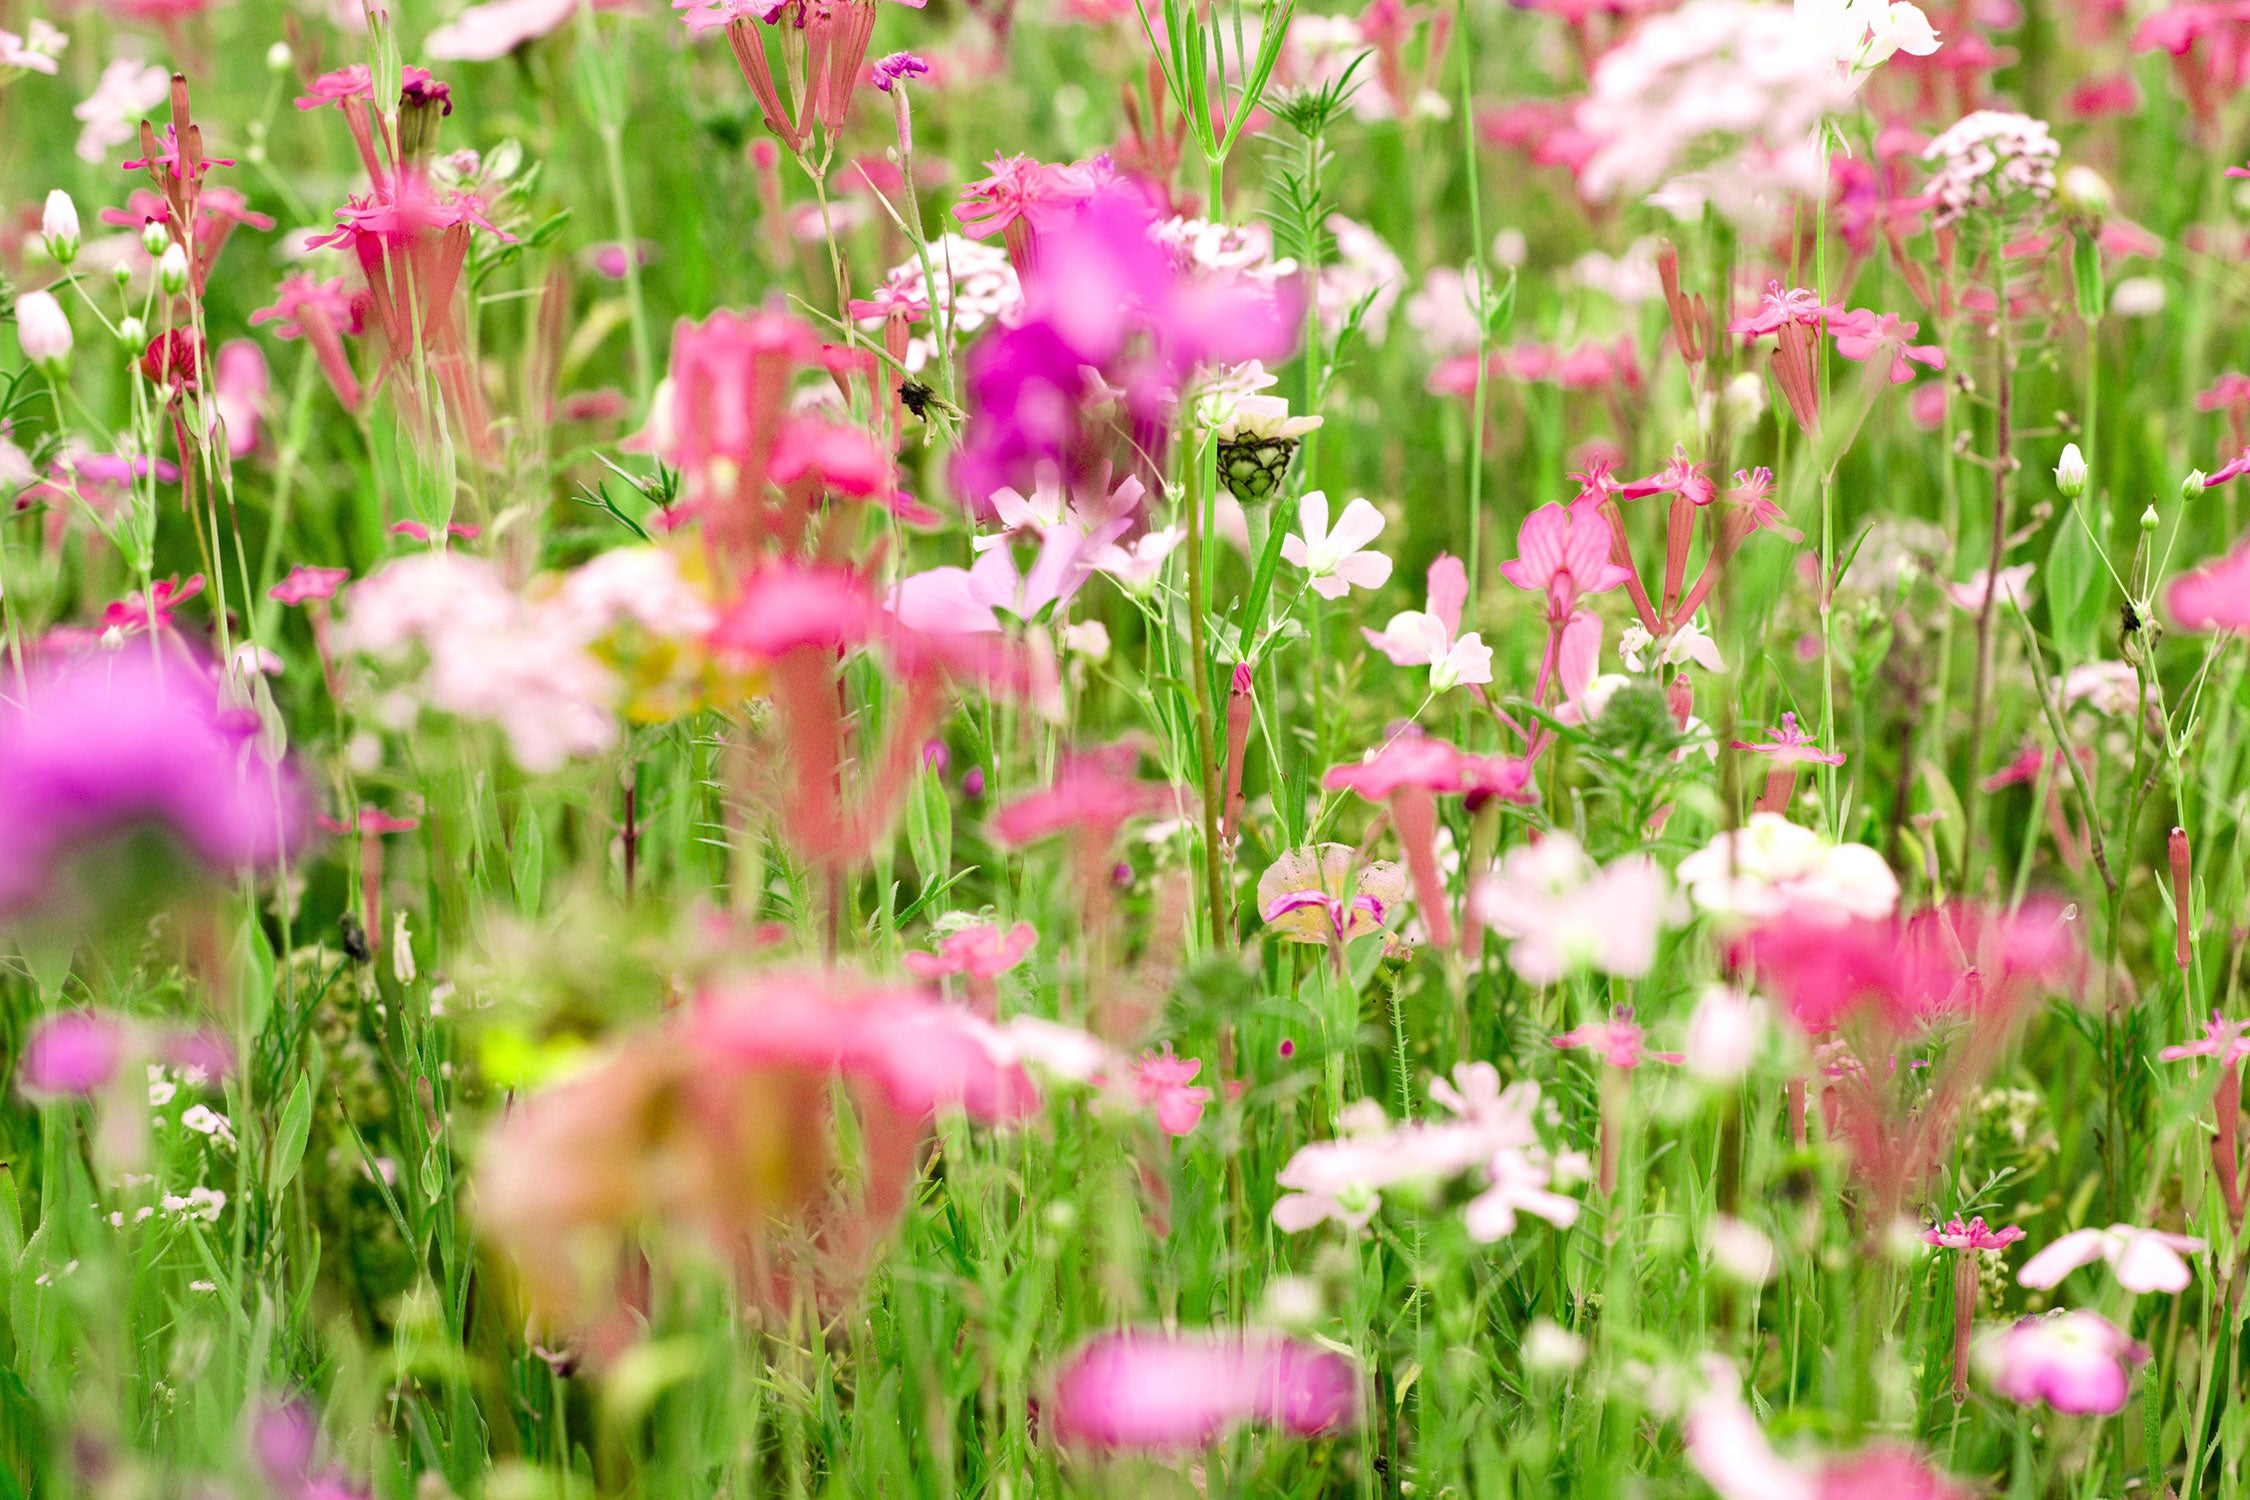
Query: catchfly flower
(1156, 1391)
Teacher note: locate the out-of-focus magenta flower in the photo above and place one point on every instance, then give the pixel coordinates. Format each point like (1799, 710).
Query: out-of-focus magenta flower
(2214, 597)
(1617, 1040)
(305, 582)
(239, 387)
(1169, 1392)
(1727, 1447)
(118, 740)
(1864, 335)
(2143, 1260)
(420, 531)
(984, 951)
(321, 313)
(843, 459)
(1974, 1235)
(2073, 1361)
(76, 1052)
(1167, 1083)
(889, 72)
(137, 611)
(357, 82)
(1966, 958)
(1564, 554)
(2222, 1040)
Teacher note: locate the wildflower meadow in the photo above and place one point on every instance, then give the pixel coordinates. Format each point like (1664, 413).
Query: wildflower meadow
(1136, 748)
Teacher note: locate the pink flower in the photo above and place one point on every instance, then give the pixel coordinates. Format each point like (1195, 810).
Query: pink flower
(1431, 638)
(305, 582)
(133, 613)
(1790, 746)
(76, 1052)
(1162, 1080)
(239, 387)
(1965, 958)
(1864, 335)
(1782, 306)
(1336, 561)
(2142, 1260)
(1955, 1235)
(839, 458)
(2073, 1361)
(2222, 1039)
(1561, 913)
(2215, 596)
(485, 33)
(1726, 1446)
(321, 313)
(889, 72)
(356, 82)
(1617, 1039)
(1564, 554)
(1168, 1392)
(984, 951)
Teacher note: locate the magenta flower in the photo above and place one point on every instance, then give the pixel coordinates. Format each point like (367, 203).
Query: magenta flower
(1169, 1392)
(1780, 307)
(1864, 335)
(136, 610)
(2214, 597)
(1165, 1081)
(1955, 1235)
(322, 313)
(119, 740)
(2073, 1361)
(2142, 1260)
(306, 582)
(76, 1052)
(1790, 748)
(1407, 772)
(356, 82)
(984, 951)
(889, 72)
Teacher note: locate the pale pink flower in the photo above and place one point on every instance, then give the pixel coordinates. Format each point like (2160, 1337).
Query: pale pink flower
(1723, 1034)
(36, 50)
(305, 582)
(75, 1052)
(1431, 637)
(1771, 866)
(483, 33)
(1168, 1392)
(2142, 1260)
(1564, 554)
(1864, 335)
(2214, 597)
(2222, 1039)
(1617, 1040)
(128, 89)
(2073, 1361)
(1336, 561)
(1562, 913)
(1166, 1082)
(984, 951)
(1137, 564)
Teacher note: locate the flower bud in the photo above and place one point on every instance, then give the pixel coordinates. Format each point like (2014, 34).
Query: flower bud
(132, 332)
(2070, 474)
(2083, 191)
(59, 227)
(2148, 519)
(121, 273)
(154, 237)
(171, 270)
(279, 57)
(1723, 1035)
(2191, 488)
(43, 329)
(2183, 897)
(1745, 400)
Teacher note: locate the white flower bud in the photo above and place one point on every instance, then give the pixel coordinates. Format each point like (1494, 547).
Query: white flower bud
(2192, 487)
(154, 237)
(58, 226)
(171, 270)
(43, 329)
(2070, 474)
(2084, 191)
(132, 333)
(2148, 519)
(279, 57)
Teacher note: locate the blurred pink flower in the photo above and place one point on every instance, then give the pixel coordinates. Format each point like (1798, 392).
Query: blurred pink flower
(1165, 1081)
(2013, 581)
(2142, 1260)
(1955, 1235)
(984, 951)
(1562, 913)
(1617, 1040)
(2214, 597)
(305, 582)
(75, 1052)
(1169, 1392)
(2073, 1361)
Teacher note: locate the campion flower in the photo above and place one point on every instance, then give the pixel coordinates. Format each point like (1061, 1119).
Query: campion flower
(1565, 555)
(152, 610)
(1970, 1240)
(2214, 597)
(1321, 894)
(284, 1441)
(1873, 338)
(43, 333)
(75, 1052)
(306, 583)
(825, 57)
(1336, 561)
(983, 951)
(1561, 913)
(1165, 1392)
(972, 283)
(1136, 564)
(1790, 748)
(321, 313)
(2014, 586)
(1618, 1041)
(127, 89)
(1964, 958)
(2223, 1041)
(1991, 162)
(1432, 638)
(2142, 1260)
(1165, 1084)
(1093, 796)
(1408, 771)
(1771, 867)
(1724, 1033)
(2073, 1361)
(1862, 34)
(1727, 1447)
(1490, 1140)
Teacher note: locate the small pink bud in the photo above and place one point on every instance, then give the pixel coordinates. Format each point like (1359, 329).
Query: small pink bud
(2183, 897)
(43, 329)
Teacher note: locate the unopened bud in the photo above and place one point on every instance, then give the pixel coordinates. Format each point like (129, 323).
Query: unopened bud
(2070, 474)
(121, 273)
(2084, 191)
(2192, 487)
(2183, 897)
(132, 333)
(2148, 519)
(43, 329)
(279, 57)
(154, 237)
(171, 270)
(58, 226)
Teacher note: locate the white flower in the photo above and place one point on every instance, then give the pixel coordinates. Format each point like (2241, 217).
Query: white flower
(1742, 1252)
(204, 1120)
(1337, 560)
(1234, 410)
(1862, 33)
(1136, 566)
(1551, 1349)
(1685, 644)
(1723, 1032)
(1772, 865)
(200, 1203)
(160, 1088)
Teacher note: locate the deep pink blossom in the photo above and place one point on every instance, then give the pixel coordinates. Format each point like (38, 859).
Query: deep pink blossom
(1166, 1082)
(136, 611)
(1617, 1041)
(1169, 1392)
(2072, 1361)
(2214, 597)
(1864, 335)
(1955, 1235)
(306, 582)
(1564, 554)
(75, 1052)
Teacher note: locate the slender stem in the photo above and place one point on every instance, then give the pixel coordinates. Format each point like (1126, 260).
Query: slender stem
(1484, 308)
(2003, 351)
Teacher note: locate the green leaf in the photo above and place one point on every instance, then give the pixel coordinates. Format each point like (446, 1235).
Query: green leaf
(289, 1138)
(528, 860)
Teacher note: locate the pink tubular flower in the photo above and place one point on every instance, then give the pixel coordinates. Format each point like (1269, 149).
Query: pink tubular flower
(76, 1052)
(1564, 554)
(322, 313)
(1093, 796)
(1864, 335)
(1782, 306)
(2214, 597)
(2142, 1260)
(306, 582)
(1407, 772)
(137, 612)
(1955, 1235)
(1171, 1392)
(2073, 1361)
(1790, 748)
(1166, 1082)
